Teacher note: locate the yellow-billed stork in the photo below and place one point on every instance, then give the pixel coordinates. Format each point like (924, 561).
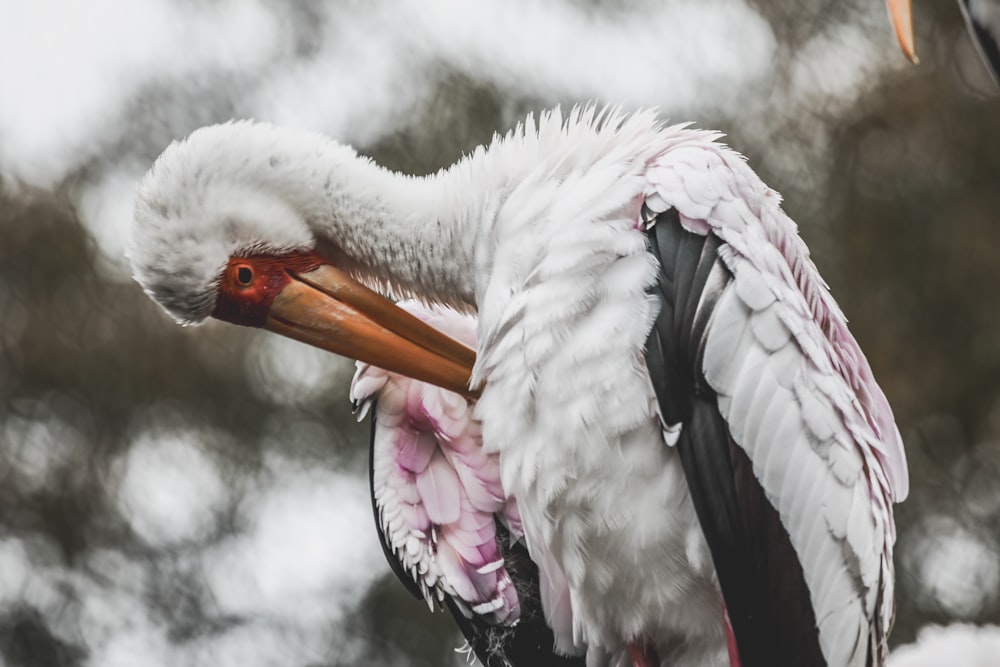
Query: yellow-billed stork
(701, 465)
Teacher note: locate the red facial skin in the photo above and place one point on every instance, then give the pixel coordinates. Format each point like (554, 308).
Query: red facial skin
(304, 297)
(250, 284)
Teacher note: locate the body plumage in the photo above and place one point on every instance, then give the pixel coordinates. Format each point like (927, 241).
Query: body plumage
(552, 236)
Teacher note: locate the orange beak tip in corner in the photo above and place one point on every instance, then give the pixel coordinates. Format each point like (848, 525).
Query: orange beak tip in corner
(902, 23)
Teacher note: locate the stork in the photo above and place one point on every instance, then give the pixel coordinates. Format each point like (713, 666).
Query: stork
(702, 463)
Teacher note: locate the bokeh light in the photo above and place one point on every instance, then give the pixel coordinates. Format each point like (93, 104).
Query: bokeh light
(170, 491)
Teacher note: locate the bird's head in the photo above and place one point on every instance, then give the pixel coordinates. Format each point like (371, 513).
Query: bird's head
(222, 229)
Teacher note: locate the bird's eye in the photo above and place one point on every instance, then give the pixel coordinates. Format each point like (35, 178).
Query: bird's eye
(244, 275)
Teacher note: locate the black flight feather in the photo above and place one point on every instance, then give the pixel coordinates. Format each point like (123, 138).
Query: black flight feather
(759, 572)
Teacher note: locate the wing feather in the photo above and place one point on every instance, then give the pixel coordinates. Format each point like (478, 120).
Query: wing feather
(440, 490)
(761, 579)
(814, 458)
(447, 529)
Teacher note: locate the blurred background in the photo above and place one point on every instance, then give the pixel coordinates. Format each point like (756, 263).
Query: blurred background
(174, 496)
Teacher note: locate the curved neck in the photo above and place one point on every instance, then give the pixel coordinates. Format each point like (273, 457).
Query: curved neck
(406, 235)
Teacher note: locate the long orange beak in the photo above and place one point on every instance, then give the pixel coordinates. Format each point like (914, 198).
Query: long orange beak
(902, 24)
(327, 308)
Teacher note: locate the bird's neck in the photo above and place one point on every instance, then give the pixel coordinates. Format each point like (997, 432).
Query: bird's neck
(406, 235)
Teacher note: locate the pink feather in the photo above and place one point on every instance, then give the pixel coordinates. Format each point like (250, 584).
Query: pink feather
(438, 493)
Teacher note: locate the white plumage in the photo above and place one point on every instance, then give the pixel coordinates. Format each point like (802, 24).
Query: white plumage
(543, 235)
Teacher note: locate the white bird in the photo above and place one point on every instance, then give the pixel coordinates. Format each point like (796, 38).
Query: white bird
(703, 464)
